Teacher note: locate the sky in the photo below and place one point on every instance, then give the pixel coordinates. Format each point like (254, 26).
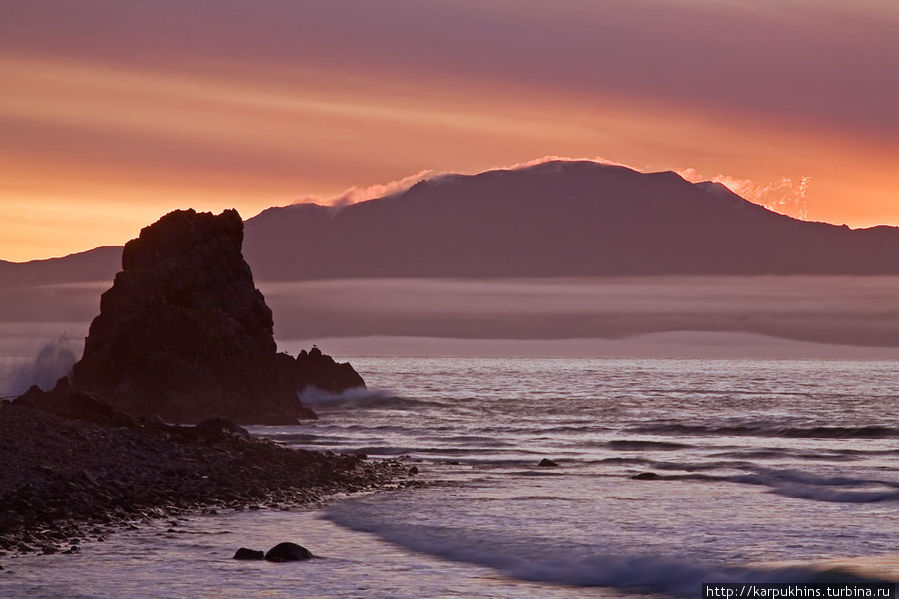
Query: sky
(113, 113)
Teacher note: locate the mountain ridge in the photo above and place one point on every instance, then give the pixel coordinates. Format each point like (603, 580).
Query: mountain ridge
(560, 218)
(557, 218)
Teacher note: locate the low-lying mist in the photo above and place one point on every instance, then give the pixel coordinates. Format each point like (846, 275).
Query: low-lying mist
(644, 316)
(827, 309)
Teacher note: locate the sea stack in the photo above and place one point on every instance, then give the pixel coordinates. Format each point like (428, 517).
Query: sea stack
(185, 335)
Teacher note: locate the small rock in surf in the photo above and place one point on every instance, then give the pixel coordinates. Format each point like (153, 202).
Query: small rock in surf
(287, 552)
(244, 553)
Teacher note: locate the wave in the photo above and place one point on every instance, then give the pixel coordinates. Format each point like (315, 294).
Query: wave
(359, 397)
(783, 453)
(817, 493)
(541, 560)
(803, 485)
(759, 430)
(631, 445)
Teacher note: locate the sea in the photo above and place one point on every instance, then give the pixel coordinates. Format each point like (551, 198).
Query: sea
(669, 473)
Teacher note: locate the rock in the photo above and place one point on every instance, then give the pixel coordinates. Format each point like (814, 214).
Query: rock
(547, 463)
(184, 335)
(65, 401)
(646, 476)
(218, 428)
(315, 369)
(413, 470)
(248, 554)
(287, 552)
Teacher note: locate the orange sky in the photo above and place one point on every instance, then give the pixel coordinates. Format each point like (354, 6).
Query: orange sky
(111, 119)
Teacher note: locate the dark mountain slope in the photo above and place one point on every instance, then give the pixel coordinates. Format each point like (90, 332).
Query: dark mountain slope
(557, 219)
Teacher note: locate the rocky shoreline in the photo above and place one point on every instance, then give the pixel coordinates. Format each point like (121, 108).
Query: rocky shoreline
(65, 482)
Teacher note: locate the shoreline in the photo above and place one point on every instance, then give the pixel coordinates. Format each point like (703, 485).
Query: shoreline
(65, 482)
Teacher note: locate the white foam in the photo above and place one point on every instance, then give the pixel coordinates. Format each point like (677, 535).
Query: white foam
(357, 397)
(540, 560)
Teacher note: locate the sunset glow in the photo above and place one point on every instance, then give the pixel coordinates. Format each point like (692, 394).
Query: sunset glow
(231, 106)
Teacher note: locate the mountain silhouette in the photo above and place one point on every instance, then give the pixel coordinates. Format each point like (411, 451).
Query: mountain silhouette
(98, 264)
(561, 218)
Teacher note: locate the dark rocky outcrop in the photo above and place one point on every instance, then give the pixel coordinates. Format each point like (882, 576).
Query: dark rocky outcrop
(67, 481)
(67, 402)
(248, 554)
(547, 463)
(287, 552)
(315, 369)
(184, 334)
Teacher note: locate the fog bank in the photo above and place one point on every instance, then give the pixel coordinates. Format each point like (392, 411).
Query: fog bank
(846, 310)
(646, 316)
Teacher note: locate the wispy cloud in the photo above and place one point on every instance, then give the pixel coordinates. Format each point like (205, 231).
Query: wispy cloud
(356, 193)
(785, 195)
(552, 158)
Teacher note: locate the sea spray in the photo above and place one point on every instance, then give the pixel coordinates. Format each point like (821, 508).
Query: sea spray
(357, 397)
(53, 361)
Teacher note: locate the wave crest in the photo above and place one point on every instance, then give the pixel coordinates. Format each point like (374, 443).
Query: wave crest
(541, 560)
(358, 397)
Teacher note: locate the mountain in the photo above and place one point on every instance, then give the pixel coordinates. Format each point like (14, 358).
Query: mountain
(557, 219)
(98, 264)
(563, 218)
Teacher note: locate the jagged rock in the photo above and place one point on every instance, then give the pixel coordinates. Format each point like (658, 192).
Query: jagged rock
(547, 463)
(184, 335)
(64, 401)
(315, 369)
(287, 552)
(248, 554)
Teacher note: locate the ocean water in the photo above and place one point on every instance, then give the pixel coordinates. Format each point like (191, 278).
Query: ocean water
(752, 470)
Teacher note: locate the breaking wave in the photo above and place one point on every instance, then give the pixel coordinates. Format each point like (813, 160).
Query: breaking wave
(804, 485)
(53, 361)
(541, 560)
(358, 397)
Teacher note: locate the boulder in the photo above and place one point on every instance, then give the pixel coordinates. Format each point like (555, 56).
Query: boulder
(184, 335)
(248, 554)
(547, 463)
(287, 552)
